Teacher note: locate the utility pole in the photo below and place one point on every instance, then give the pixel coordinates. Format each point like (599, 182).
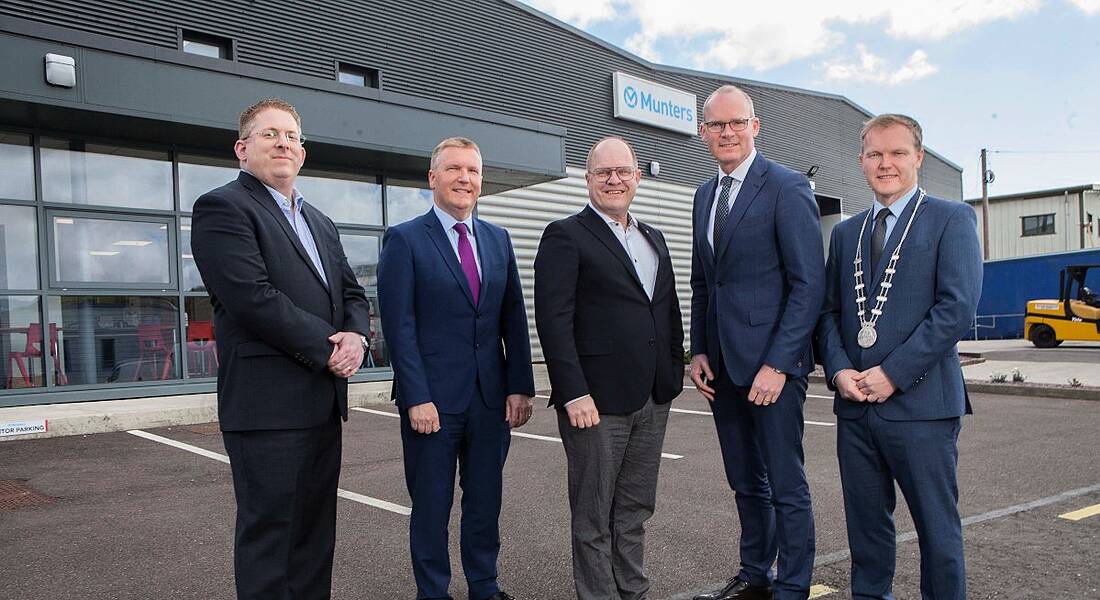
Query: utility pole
(985, 209)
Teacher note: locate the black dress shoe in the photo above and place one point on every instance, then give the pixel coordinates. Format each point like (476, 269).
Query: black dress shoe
(738, 589)
(500, 596)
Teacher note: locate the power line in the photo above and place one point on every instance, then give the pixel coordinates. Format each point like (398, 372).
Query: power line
(1044, 151)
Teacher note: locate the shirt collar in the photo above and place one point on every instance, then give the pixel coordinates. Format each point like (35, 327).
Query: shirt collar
(742, 170)
(448, 222)
(630, 220)
(898, 207)
(279, 198)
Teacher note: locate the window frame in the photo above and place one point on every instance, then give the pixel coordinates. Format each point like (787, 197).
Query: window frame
(1040, 223)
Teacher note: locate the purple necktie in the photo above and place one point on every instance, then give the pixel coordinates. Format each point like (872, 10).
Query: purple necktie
(466, 257)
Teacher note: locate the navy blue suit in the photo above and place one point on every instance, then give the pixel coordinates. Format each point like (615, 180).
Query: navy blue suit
(912, 436)
(465, 359)
(755, 299)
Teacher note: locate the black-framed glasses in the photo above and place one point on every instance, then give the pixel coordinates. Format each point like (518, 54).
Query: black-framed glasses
(271, 135)
(720, 126)
(603, 175)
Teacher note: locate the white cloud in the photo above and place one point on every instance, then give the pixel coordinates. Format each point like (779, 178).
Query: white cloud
(642, 45)
(873, 69)
(1089, 7)
(761, 36)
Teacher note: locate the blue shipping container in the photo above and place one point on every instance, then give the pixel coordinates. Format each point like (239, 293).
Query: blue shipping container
(1010, 282)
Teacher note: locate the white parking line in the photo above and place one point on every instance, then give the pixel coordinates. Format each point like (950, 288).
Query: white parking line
(354, 497)
(690, 412)
(530, 436)
(707, 413)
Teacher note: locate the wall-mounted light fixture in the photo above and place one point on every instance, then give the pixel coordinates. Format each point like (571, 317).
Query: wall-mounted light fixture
(60, 70)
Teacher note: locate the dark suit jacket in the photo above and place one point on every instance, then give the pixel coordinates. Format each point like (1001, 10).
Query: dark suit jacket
(600, 333)
(272, 312)
(929, 309)
(444, 349)
(755, 298)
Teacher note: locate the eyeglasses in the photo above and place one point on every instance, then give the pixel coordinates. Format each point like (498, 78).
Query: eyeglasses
(720, 126)
(271, 135)
(604, 175)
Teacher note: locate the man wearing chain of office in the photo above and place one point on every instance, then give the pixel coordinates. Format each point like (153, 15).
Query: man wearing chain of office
(902, 285)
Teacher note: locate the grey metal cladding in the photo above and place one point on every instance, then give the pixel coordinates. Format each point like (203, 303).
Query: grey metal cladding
(500, 57)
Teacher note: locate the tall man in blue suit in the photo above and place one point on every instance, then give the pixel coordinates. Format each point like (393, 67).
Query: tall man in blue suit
(452, 309)
(887, 336)
(757, 281)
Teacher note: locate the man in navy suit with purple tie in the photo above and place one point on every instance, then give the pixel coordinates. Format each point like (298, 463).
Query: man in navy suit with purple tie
(452, 308)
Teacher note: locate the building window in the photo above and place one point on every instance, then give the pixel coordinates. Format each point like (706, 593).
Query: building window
(18, 248)
(1038, 225)
(406, 199)
(16, 167)
(356, 75)
(114, 250)
(200, 174)
(204, 44)
(98, 285)
(115, 339)
(74, 172)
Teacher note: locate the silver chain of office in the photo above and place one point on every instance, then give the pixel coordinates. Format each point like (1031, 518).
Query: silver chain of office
(867, 335)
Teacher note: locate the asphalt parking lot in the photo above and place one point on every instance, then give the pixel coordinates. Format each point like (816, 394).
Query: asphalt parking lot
(133, 516)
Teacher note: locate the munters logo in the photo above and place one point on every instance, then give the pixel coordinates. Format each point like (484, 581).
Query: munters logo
(654, 104)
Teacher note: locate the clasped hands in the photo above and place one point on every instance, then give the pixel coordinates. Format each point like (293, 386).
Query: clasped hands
(424, 418)
(347, 353)
(872, 385)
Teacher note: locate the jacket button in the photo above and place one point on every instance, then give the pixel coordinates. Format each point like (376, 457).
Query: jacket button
(477, 346)
(719, 284)
(652, 341)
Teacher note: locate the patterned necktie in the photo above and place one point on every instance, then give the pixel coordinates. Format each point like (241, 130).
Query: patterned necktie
(721, 212)
(878, 237)
(466, 258)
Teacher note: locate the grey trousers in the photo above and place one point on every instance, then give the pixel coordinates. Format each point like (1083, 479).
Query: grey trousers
(612, 493)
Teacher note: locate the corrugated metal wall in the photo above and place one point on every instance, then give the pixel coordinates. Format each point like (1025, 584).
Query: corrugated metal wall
(496, 56)
(1006, 228)
(526, 212)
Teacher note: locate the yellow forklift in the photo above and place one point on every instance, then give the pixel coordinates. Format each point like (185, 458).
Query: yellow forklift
(1074, 316)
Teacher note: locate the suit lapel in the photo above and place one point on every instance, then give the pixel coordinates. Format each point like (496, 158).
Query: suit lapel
(595, 224)
(446, 252)
(750, 187)
(895, 237)
(663, 272)
(260, 194)
(702, 217)
(315, 221)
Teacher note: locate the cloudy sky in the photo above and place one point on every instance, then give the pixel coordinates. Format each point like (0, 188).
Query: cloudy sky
(1019, 77)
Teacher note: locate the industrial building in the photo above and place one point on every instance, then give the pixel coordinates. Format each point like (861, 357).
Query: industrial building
(115, 117)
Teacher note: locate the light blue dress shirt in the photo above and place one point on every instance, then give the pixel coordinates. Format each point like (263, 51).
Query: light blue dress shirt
(448, 223)
(896, 209)
(293, 213)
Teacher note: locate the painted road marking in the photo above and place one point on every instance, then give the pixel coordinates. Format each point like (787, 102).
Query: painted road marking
(530, 436)
(999, 513)
(818, 590)
(1084, 513)
(707, 413)
(354, 497)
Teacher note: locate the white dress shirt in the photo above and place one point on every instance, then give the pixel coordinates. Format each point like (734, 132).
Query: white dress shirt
(637, 247)
(738, 175)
